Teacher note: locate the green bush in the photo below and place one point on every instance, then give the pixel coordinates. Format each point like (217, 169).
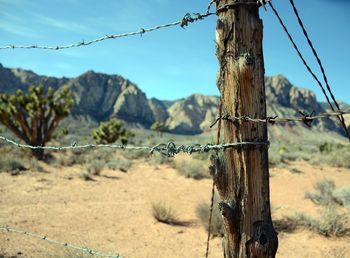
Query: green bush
(158, 127)
(110, 132)
(325, 147)
(37, 110)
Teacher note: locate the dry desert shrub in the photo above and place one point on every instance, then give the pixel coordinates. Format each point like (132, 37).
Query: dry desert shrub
(11, 163)
(35, 166)
(331, 223)
(94, 167)
(192, 169)
(203, 211)
(160, 159)
(326, 193)
(119, 164)
(136, 154)
(165, 213)
(295, 171)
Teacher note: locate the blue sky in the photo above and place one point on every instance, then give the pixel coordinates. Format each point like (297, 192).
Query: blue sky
(174, 62)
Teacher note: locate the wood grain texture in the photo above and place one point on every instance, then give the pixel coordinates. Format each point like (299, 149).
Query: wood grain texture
(242, 176)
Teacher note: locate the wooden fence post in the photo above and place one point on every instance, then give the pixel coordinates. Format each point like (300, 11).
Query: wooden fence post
(242, 174)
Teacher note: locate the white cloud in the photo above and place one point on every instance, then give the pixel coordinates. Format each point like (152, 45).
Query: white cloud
(15, 25)
(69, 26)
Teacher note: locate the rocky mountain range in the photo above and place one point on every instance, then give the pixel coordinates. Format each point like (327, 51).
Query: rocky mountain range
(100, 96)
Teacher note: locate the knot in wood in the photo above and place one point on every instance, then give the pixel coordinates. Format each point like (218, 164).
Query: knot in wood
(264, 241)
(247, 59)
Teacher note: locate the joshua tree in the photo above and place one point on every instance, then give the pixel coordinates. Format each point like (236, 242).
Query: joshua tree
(110, 132)
(159, 127)
(33, 116)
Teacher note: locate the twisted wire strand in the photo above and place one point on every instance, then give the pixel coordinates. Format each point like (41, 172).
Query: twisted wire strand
(210, 4)
(306, 119)
(305, 63)
(213, 185)
(56, 242)
(341, 118)
(183, 22)
(168, 149)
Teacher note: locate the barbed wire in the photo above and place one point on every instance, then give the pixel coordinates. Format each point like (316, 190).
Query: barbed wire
(56, 242)
(218, 135)
(341, 119)
(168, 149)
(210, 4)
(183, 22)
(306, 119)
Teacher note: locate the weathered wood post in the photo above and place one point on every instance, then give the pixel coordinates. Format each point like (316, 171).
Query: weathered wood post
(242, 174)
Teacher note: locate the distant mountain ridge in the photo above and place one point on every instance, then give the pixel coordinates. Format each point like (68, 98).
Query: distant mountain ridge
(100, 96)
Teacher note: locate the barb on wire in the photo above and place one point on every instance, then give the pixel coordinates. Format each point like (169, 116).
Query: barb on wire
(168, 149)
(307, 66)
(210, 4)
(341, 118)
(56, 242)
(305, 118)
(183, 22)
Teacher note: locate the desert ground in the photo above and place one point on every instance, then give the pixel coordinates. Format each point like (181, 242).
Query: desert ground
(113, 213)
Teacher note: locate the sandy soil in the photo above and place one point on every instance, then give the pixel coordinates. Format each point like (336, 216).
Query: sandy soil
(113, 214)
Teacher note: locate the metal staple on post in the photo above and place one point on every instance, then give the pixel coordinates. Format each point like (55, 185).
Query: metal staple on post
(56, 242)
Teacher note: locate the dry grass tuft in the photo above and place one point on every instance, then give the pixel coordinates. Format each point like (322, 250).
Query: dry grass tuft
(192, 169)
(164, 213)
(326, 193)
(331, 223)
(203, 211)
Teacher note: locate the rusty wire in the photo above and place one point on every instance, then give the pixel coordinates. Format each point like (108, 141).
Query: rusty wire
(56, 242)
(168, 149)
(304, 118)
(183, 22)
(341, 118)
(309, 68)
(213, 184)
